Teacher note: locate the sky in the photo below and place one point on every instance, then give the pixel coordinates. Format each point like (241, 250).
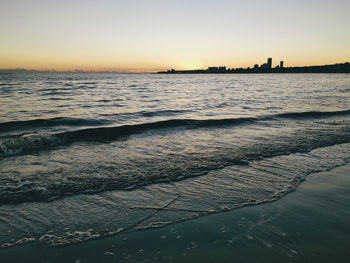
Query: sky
(152, 35)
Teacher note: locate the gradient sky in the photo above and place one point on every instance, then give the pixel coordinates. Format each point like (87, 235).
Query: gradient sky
(148, 35)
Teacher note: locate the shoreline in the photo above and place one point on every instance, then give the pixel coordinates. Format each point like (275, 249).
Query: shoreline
(309, 224)
(267, 68)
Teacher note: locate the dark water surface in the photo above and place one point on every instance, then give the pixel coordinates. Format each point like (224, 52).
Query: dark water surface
(85, 156)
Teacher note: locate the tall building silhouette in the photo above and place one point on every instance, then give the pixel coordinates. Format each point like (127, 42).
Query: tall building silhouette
(269, 63)
(281, 64)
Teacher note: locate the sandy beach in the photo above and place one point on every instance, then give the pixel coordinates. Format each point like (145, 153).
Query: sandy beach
(310, 224)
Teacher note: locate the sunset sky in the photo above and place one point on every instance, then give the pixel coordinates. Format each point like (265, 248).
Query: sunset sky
(150, 35)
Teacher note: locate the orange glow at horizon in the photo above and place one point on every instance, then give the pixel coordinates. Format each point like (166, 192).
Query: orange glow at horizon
(91, 62)
(61, 62)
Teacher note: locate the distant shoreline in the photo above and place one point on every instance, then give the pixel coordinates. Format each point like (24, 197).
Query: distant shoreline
(334, 68)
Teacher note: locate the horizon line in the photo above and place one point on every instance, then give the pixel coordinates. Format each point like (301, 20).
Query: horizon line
(132, 71)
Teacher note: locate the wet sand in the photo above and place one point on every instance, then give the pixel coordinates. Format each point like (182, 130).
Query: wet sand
(310, 224)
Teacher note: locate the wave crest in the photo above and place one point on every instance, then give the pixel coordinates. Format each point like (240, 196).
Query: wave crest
(35, 142)
(28, 143)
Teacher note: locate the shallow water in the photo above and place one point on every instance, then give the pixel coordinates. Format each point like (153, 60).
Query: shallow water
(84, 156)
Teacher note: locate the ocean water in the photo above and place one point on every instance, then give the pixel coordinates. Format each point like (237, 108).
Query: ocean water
(89, 155)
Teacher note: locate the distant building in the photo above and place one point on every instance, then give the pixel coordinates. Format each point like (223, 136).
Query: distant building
(217, 69)
(269, 63)
(263, 66)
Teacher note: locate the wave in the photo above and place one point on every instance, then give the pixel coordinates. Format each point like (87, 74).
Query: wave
(159, 204)
(66, 121)
(136, 173)
(111, 133)
(52, 122)
(138, 114)
(35, 142)
(162, 113)
(312, 114)
(28, 143)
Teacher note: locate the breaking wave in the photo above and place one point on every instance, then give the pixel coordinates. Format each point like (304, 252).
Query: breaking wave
(132, 173)
(41, 123)
(27, 143)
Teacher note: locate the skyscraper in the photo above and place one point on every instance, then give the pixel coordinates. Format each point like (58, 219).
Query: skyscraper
(281, 64)
(269, 63)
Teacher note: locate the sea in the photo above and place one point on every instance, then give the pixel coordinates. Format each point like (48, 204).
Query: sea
(84, 156)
